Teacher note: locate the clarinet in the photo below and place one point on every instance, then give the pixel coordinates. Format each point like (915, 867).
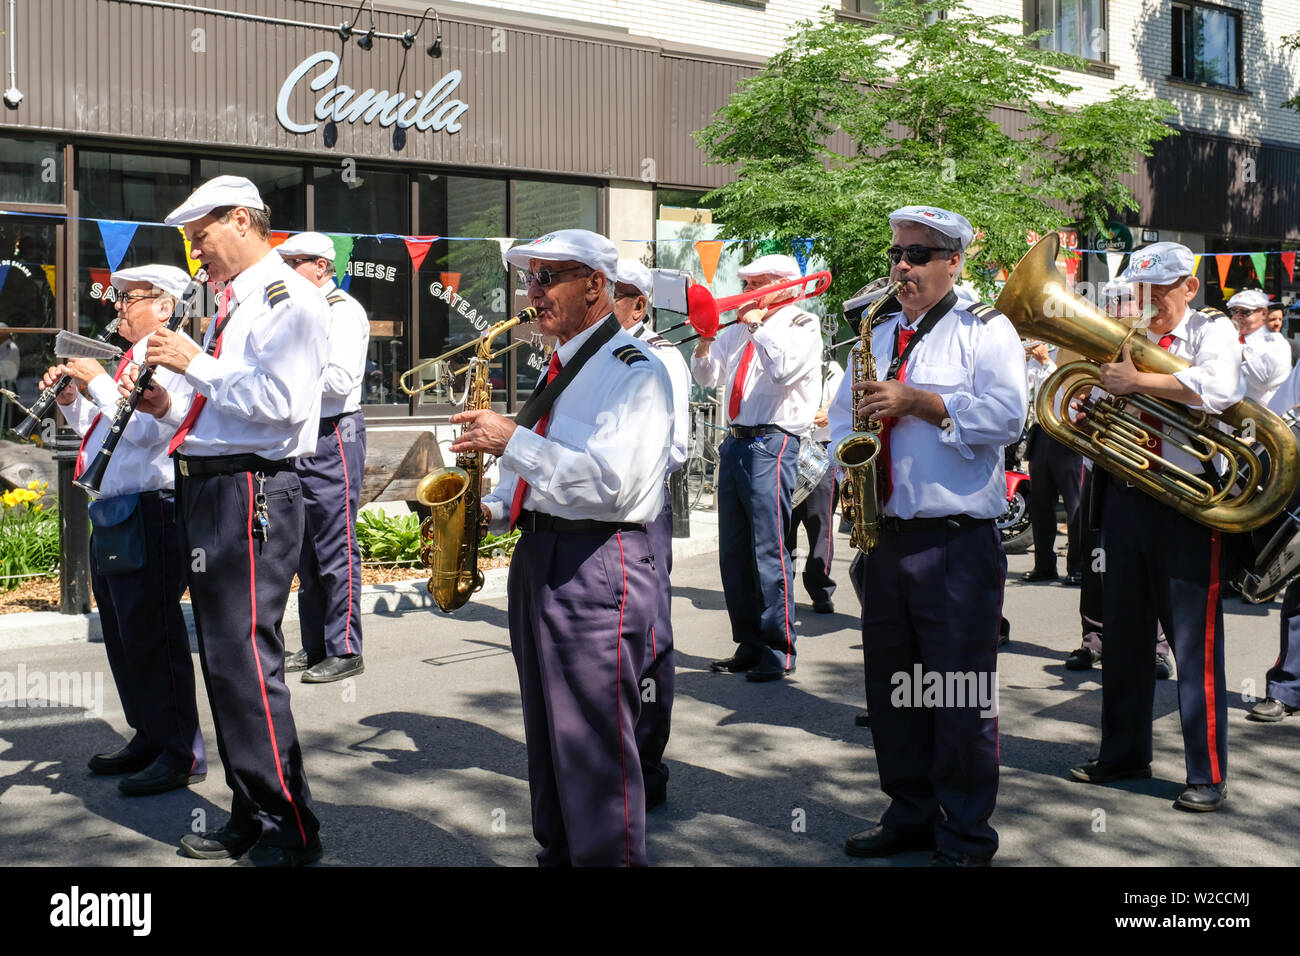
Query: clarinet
(45, 400)
(93, 476)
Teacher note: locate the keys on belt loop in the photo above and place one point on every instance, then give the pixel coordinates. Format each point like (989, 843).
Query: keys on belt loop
(261, 520)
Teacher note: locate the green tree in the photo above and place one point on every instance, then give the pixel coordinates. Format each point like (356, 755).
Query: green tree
(853, 120)
(1292, 42)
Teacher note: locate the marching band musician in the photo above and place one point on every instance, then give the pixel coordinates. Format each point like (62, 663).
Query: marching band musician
(1054, 472)
(632, 295)
(770, 362)
(1265, 355)
(583, 587)
(257, 384)
(816, 513)
(951, 391)
(329, 572)
(1160, 566)
(137, 566)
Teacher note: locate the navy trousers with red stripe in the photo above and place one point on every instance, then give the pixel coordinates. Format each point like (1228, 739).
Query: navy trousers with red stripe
(329, 571)
(756, 477)
(932, 605)
(1161, 567)
(1284, 676)
(658, 677)
(240, 586)
(816, 515)
(148, 644)
(581, 608)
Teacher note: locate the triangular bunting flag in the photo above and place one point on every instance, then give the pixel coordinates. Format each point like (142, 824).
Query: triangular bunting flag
(768, 247)
(4, 274)
(51, 276)
(117, 239)
(709, 251)
(342, 256)
(278, 238)
(1224, 263)
(418, 247)
(450, 280)
(346, 284)
(1113, 261)
(506, 243)
(1196, 265)
(105, 282)
(1288, 260)
(1260, 261)
(801, 248)
(192, 264)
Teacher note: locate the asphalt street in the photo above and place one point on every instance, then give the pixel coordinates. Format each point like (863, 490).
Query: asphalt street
(421, 761)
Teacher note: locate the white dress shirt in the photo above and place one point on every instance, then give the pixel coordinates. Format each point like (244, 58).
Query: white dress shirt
(264, 391)
(349, 338)
(1265, 363)
(1287, 395)
(978, 368)
(830, 385)
(782, 384)
(1036, 372)
(140, 461)
(680, 376)
(606, 446)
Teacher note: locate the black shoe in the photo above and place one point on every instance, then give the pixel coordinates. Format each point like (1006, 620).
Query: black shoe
(1164, 667)
(736, 664)
(879, 841)
(1029, 577)
(1204, 797)
(1094, 771)
(1074, 580)
(655, 797)
(1004, 632)
(300, 661)
(334, 668)
(942, 858)
(862, 720)
(119, 761)
(265, 854)
(157, 778)
(824, 607)
(1270, 711)
(1082, 659)
(222, 844)
(767, 672)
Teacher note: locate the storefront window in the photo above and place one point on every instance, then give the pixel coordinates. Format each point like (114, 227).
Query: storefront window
(28, 276)
(132, 189)
(282, 189)
(31, 170)
(355, 202)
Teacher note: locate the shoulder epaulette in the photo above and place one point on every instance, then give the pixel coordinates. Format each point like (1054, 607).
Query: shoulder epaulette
(1210, 312)
(983, 312)
(334, 298)
(802, 319)
(659, 342)
(276, 292)
(630, 355)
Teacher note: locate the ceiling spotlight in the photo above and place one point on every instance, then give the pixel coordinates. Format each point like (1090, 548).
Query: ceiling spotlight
(367, 41)
(345, 31)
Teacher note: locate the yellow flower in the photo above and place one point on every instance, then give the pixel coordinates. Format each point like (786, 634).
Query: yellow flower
(9, 499)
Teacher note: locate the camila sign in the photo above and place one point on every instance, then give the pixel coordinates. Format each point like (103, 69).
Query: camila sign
(435, 110)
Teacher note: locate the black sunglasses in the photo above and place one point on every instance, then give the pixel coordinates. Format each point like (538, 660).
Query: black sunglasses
(544, 277)
(916, 255)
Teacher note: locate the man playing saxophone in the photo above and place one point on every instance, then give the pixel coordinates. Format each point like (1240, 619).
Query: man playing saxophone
(952, 395)
(1162, 566)
(581, 484)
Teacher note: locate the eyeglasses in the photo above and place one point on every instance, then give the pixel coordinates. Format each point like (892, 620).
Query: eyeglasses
(625, 295)
(916, 255)
(546, 277)
(295, 263)
(1240, 311)
(126, 298)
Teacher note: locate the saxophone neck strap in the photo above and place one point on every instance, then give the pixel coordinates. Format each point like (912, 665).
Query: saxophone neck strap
(545, 394)
(930, 321)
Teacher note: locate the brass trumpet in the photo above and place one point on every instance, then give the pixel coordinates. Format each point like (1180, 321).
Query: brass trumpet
(1246, 495)
(402, 381)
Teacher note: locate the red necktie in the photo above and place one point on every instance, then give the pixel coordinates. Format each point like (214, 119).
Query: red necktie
(1154, 444)
(521, 486)
(738, 386)
(885, 470)
(196, 406)
(1241, 339)
(81, 452)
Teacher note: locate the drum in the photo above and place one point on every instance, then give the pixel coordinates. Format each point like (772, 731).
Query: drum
(813, 463)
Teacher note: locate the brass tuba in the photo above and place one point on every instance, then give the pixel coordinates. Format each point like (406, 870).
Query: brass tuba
(856, 452)
(1114, 435)
(450, 536)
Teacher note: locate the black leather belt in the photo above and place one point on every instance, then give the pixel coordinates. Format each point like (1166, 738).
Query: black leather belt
(909, 525)
(197, 466)
(536, 521)
(754, 431)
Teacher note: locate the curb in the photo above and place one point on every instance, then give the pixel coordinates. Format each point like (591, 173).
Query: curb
(42, 628)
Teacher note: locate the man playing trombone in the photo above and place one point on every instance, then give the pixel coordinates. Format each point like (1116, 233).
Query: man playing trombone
(137, 566)
(1159, 565)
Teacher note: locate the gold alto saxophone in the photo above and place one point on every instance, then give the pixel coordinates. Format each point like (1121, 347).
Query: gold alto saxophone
(856, 452)
(450, 536)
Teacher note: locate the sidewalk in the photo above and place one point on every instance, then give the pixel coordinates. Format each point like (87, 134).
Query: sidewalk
(40, 628)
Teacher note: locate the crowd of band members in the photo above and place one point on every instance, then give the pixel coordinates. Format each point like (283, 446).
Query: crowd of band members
(266, 484)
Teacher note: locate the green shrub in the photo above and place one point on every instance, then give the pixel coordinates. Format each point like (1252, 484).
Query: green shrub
(29, 535)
